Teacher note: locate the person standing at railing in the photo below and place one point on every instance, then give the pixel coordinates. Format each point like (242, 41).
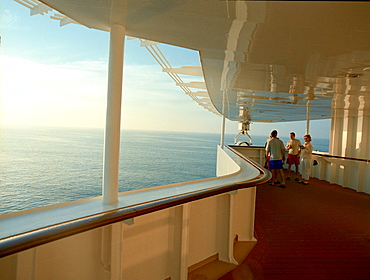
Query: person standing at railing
(293, 147)
(276, 150)
(306, 157)
(267, 158)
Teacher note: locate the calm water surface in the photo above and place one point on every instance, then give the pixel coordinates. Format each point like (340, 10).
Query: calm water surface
(43, 166)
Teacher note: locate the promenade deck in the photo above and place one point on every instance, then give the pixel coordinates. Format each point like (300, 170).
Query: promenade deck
(318, 231)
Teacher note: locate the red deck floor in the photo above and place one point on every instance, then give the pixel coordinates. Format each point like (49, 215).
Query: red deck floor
(318, 231)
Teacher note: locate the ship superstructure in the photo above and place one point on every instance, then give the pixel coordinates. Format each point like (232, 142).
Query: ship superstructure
(262, 61)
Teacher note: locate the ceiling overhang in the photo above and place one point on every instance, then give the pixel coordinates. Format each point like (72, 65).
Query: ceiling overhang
(272, 59)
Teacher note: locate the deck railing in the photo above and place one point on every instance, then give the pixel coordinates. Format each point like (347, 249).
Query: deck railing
(345, 171)
(348, 172)
(173, 220)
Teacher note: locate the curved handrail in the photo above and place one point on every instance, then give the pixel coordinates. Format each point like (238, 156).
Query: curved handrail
(27, 240)
(349, 158)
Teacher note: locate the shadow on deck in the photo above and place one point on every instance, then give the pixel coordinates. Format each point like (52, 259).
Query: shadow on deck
(318, 231)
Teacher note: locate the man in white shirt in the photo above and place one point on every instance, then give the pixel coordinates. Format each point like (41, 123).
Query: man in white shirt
(294, 149)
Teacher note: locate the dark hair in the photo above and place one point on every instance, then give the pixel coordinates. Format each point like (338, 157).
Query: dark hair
(308, 136)
(274, 133)
(292, 133)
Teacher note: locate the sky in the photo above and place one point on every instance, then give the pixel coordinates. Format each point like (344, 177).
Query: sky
(57, 76)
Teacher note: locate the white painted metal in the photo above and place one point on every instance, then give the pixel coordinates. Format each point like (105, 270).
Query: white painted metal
(327, 166)
(244, 55)
(199, 93)
(235, 43)
(336, 138)
(145, 43)
(111, 250)
(185, 225)
(36, 7)
(222, 167)
(40, 9)
(200, 85)
(349, 138)
(113, 118)
(158, 55)
(363, 150)
(223, 122)
(166, 243)
(231, 233)
(308, 117)
(26, 265)
(186, 70)
(116, 252)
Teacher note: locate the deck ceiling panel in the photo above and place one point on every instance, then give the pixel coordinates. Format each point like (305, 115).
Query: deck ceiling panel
(286, 54)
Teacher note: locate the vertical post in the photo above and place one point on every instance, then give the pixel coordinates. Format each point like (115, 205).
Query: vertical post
(231, 233)
(26, 264)
(116, 251)
(364, 146)
(113, 115)
(308, 117)
(185, 241)
(222, 142)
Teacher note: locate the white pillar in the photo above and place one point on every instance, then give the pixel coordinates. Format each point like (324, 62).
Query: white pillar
(336, 135)
(351, 170)
(185, 241)
(364, 145)
(222, 142)
(308, 116)
(113, 117)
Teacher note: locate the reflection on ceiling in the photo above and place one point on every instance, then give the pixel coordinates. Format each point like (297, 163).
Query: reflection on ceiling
(267, 61)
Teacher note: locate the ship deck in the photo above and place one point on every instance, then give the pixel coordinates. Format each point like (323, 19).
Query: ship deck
(318, 231)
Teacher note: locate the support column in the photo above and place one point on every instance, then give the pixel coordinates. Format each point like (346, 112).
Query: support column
(184, 241)
(223, 119)
(113, 117)
(308, 116)
(363, 151)
(351, 170)
(27, 264)
(231, 235)
(336, 135)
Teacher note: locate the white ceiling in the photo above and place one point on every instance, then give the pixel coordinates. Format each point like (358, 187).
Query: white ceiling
(271, 57)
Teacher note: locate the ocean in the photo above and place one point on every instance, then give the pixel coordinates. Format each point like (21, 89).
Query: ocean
(41, 166)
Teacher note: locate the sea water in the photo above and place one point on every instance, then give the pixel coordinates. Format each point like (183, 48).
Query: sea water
(42, 166)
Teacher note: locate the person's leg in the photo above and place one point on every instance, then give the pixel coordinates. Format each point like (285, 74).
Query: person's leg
(273, 169)
(296, 170)
(307, 171)
(301, 170)
(289, 168)
(279, 170)
(273, 179)
(282, 176)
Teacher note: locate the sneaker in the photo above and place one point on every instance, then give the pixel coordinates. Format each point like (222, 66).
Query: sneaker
(300, 181)
(287, 178)
(296, 179)
(305, 183)
(281, 186)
